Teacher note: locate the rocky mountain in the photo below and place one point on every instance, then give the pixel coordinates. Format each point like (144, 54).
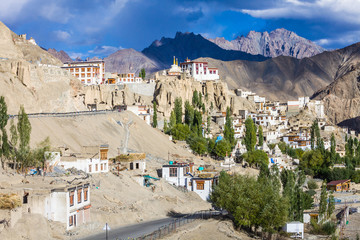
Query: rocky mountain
(130, 60)
(279, 42)
(342, 96)
(280, 78)
(189, 45)
(61, 55)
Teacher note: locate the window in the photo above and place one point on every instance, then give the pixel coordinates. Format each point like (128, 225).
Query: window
(200, 185)
(86, 194)
(101, 167)
(77, 75)
(96, 167)
(104, 166)
(72, 193)
(187, 169)
(103, 155)
(89, 168)
(83, 75)
(79, 195)
(83, 69)
(76, 70)
(88, 75)
(89, 69)
(173, 172)
(71, 220)
(137, 165)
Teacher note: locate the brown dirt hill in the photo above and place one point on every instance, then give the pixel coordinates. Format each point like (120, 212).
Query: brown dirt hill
(130, 60)
(342, 97)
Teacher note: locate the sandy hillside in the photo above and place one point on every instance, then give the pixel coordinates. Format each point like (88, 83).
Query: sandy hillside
(88, 130)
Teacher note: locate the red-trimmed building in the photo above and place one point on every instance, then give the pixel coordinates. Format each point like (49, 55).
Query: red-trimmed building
(200, 70)
(339, 185)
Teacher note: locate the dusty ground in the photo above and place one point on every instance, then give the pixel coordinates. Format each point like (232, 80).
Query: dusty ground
(208, 230)
(353, 228)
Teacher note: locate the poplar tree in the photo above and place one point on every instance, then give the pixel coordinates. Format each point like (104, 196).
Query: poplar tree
(24, 131)
(172, 122)
(261, 136)
(195, 98)
(189, 114)
(331, 205)
(250, 134)
(13, 140)
(323, 200)
(4, 150)
(229, 130)
(333, 148)
(178, 110)
(155, 115)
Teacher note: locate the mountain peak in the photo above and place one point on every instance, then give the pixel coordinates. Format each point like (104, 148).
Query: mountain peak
(279, 42)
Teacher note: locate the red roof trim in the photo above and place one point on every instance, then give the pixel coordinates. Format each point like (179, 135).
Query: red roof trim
(332, 183)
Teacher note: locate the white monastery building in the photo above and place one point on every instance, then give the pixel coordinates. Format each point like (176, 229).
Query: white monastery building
(200, 70)
(88, 72)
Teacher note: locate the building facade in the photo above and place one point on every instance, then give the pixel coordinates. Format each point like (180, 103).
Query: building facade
(200, 71)
(88, 72)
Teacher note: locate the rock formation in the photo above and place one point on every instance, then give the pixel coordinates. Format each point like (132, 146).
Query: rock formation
(61, 55)
(32, 77)
(342, 97)
(279, 42)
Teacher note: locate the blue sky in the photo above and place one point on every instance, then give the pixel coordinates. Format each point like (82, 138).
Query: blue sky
(89, 28)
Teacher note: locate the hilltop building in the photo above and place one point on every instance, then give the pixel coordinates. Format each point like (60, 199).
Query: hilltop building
(200, 70)
(88, 72)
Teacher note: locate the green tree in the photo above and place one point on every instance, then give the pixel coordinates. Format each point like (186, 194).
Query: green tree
(155, 115)
(256, 157)
(229, 130)
(165, 126)
(323, 201)
(13, 141)
(180, 132)
(250, 134)
(178, 110)
(24, 131)
(142, 73)
(172, 122)
(197, 144)
(195, 99)
(38, 155)
(333, 148)
(331, 206)
(222, 148)
(261, 136)
(200, 103)
(189, 114)
(4, 153)
(208, 124)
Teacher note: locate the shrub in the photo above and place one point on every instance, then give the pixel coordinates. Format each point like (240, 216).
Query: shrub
(312, 184)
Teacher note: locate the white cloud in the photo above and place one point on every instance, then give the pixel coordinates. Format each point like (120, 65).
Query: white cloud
(10, 10)
(339, 10)
(344, 39)
(104, 50)
(74, 55)
(55, 13)
(62, 35)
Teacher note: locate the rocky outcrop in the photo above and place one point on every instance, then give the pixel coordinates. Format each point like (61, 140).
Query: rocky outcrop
(279, 42)
(214, 94)
(342, 97)
(130, 61)
(61, 55)
(106, 97)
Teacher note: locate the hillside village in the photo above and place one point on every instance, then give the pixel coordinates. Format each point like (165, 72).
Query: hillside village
(127, 151)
